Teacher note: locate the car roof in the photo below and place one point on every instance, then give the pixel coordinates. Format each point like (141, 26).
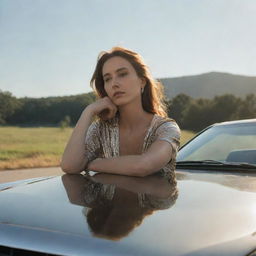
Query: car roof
(244, 121)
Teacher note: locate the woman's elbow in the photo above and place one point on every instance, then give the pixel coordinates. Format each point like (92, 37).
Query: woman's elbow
(71, 169)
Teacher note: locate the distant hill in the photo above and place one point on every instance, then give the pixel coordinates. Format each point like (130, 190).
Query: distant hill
(209, 85)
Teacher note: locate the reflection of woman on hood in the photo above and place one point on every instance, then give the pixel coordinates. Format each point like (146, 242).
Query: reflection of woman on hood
(117, 204)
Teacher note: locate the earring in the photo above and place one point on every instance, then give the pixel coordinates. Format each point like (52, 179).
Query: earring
(142, 90)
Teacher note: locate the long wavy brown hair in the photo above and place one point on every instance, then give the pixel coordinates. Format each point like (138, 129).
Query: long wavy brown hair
(152, 96)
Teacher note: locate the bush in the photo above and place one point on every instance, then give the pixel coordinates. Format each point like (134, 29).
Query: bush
(65, 122)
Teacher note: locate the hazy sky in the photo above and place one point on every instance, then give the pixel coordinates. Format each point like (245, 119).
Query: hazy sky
(49, 47)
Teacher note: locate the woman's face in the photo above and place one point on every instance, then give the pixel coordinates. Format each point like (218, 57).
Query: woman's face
(121, 81)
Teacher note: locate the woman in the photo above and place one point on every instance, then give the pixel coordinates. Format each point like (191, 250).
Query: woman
(132, 135)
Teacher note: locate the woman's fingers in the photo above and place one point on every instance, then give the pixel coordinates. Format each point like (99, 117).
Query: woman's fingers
(104, 108)
(108, 113)
(110, 108)
(112, 112)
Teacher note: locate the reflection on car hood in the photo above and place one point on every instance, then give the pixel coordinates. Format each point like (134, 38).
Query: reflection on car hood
(200, 215)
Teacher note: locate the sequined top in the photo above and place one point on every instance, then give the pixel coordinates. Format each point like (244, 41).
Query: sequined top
(102, 138)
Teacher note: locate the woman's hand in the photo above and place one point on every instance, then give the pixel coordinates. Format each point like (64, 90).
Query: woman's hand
(104, 108)
(91, 165)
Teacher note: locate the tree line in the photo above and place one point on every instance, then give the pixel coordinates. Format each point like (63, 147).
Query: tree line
(190, 114)
(196, 114)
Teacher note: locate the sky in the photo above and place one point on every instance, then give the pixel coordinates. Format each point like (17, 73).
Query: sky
(50, 47)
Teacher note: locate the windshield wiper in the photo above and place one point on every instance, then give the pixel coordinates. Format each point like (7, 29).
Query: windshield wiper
(215, 164)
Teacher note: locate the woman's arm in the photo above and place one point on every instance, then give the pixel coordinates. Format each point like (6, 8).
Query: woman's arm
(161, 151)
(73, 159)
(124, 165)
(154, 159)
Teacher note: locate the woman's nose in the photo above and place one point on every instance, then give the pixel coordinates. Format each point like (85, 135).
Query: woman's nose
(115, 82)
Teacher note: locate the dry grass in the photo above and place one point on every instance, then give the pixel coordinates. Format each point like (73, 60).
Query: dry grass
(186, 136)
(31, 147)
(38, 147)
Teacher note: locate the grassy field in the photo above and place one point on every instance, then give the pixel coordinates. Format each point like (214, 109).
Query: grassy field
(38, 147)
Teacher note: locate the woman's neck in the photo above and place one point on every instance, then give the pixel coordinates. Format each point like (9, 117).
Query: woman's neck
(131, 117)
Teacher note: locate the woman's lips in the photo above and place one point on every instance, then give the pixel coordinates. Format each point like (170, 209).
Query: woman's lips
(117, 94)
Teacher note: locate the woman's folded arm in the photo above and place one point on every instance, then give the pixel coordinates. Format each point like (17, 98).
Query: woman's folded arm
(155, 158)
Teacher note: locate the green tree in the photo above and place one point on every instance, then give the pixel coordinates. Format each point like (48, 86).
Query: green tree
(247, 108)
(65, 122)
(177, 107)
(224, 107)
(196, 115)
(50, 110)
(8, 105)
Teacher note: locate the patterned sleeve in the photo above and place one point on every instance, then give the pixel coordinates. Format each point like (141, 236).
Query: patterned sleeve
(92, 142)
(170, 132)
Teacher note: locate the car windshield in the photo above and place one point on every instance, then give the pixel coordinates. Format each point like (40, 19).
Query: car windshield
(229, 143)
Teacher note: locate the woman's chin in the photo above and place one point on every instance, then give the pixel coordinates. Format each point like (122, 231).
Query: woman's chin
(120, 102)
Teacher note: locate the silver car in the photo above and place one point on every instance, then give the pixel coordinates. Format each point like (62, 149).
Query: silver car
(208, 209)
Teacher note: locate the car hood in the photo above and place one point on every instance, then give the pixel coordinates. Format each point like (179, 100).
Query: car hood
(204, 213)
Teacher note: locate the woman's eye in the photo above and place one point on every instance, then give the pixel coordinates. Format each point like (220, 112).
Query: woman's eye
(120, 75)
(123, 74)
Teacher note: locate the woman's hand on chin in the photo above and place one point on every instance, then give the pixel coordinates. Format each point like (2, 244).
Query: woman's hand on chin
(104, 108)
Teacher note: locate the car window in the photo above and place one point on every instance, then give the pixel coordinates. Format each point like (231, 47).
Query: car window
(220, 143)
